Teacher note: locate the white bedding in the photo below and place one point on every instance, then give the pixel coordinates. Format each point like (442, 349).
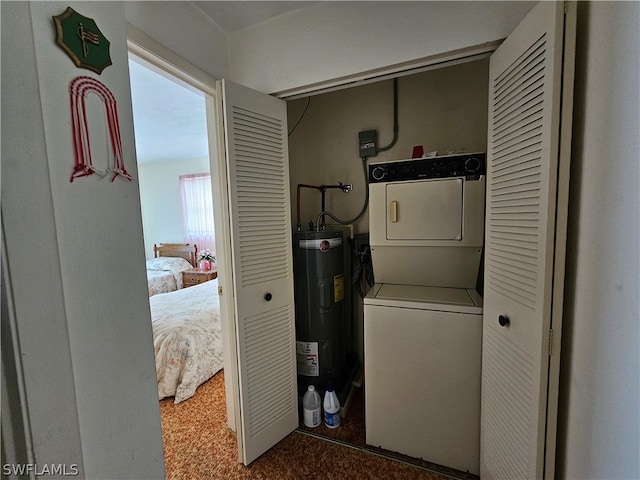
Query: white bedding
(164, 274)
(187, 339)
(161, 281)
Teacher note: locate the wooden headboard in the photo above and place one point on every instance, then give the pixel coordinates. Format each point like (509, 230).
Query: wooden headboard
(182, 250)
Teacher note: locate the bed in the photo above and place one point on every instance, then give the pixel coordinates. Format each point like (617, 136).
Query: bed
(187, 339)
(164, 271)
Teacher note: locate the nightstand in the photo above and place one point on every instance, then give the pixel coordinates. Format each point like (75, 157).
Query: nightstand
(194, 276)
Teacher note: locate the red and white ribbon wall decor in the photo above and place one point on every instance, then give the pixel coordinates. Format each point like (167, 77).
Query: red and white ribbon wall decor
(78, 90)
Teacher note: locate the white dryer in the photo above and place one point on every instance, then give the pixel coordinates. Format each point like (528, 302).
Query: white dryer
(423, 320)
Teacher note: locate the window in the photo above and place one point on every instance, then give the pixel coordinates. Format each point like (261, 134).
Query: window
(197, 210)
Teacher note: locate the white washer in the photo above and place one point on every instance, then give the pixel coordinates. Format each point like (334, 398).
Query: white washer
(422, 356)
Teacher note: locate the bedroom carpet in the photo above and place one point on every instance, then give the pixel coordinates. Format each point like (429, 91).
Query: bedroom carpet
(198, 445)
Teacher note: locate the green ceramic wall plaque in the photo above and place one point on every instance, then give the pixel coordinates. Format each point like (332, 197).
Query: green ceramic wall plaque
(83, 41)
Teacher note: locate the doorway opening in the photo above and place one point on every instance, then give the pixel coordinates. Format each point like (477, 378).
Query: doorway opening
(171, 142)
(439, 110)
(176, 136)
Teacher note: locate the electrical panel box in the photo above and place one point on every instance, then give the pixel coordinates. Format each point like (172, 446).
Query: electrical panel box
(368, 141)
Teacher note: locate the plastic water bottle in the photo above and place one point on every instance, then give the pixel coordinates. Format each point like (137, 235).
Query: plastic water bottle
(331, 408)
(311, 407)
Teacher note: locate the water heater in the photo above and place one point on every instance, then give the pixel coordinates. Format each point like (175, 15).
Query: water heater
(320, 306)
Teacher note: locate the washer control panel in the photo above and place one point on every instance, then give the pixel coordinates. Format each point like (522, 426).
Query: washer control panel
(471, 165)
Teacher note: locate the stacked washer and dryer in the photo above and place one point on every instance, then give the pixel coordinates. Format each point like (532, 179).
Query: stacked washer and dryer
(423, 317)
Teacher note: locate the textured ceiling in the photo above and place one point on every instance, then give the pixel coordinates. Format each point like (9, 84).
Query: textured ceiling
(234, 16)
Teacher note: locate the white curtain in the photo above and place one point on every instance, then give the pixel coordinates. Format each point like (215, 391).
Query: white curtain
(197, 211)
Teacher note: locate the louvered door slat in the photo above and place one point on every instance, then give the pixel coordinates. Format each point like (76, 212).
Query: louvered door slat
(260, 173)
(268, 369)
(256, 138)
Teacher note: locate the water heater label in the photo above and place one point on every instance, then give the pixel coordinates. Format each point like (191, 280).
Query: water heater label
(338, 288)
(322, 244)
(307, 359)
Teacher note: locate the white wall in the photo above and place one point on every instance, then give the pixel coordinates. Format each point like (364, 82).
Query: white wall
(30, 243)
(89, 242)
(599, 424)
(160, 199)
(335, 39)
(184, 30)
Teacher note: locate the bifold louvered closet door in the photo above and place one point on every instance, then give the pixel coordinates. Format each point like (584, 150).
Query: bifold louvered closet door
(522, 183)
(258, 172)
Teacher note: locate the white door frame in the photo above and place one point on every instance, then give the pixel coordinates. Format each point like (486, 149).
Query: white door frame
(162, 60)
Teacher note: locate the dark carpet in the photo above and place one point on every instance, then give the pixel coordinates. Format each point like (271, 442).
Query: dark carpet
(198, 445)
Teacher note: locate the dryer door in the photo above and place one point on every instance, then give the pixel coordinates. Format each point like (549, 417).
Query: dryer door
(425, 210)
